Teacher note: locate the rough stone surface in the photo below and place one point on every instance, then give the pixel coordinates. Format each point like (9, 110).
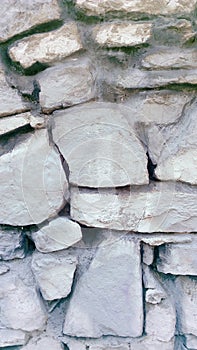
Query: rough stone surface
(122, 34)
(11, 337)
(159, 207)
(44, 343)
(14, 122)
(191, 341)
(3, 269)
(47, 47)
(101, 150)
(150, 7)
(54, 273)
(148, 254)
(59, 234)
(66, 84)
(22, 15)
(118, 292)
(108, 347)
(31, 163)
(12, 244)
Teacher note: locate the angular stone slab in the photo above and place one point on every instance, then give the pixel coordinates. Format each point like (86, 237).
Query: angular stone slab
(44, 343)
(11, 337)
(59, 234)
(14, 122)
(66, 84)
(22, 15)
(150, 7)
(54, 273)
(111, 286)
(122, 34)
(13, 244)
(32, 182)
(159, 207)
(47, 47)
(99, 145)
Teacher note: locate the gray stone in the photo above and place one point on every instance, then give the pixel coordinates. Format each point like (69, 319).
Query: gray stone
(47, 47)
(54, 273)
(12, 244)
(122, 34)
(11, 337)
(59, 234)
(21, 15)
(33, 164)
(159, 207)
(66, 84)
(191, 341)
(111, 286)
(102, 150)
(42, 343)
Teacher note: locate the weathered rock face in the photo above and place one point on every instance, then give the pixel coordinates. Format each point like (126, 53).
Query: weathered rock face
(47, 47)
(11, 337)
(10, 124)
(44, 343)
(12, 244)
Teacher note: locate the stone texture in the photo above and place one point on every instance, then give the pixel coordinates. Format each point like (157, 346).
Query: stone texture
(32, 182)
(14, 122)
(156, 240)
(150, 7)
(171, 59)
(3, 269)
(148, 254)
(54, 273)
(122, 34)
(47, 47)
(191, 341)
(59, 234)
(11, 337)
(101, 150)
(118, 292)
(12, 244)
(66, 84)
(110, 347)
(174, 31)
(43, 343)
(147, 343)
(22, 15)
(155, 294)
(159, 207)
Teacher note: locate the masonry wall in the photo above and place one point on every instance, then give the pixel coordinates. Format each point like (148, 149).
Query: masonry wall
(98, 175)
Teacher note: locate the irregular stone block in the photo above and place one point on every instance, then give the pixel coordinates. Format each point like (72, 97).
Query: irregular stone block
(122, 34)
(3, 269)
(191, 341)
(22, 15)
(111, 286)
(154, 291)
(66, 84)
(101, 150)
(54, 273)
(148, 254)
(47, 47)
(33, 164)
(159, 207)
(157, 240)
(150, 7)
(173, 32)
(9, 124)
(44, 343)
(12, 243)
(59, 234)
(11, 337)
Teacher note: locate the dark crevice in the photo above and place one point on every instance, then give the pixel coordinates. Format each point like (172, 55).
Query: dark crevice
(151, 169)
(144, 292)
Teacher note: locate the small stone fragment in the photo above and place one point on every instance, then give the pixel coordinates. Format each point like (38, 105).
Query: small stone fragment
(154, 292)
(47, 47)
(122, 34)
(12, 243)
(156, 240)
(191, 341)
(44, 343)
(148, 254)
(9, 124)
(11, 337)
(54, 273)
(4, 269)
(59, 234)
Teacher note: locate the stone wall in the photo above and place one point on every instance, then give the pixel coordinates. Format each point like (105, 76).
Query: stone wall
(98, 175)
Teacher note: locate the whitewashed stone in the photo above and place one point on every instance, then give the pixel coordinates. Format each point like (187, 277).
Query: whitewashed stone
(147, 343)
(191, 341)
(101, 149)
(148, 254)
(178, 259)
(122, 34)
(159, 207)
(32, 182)
(3, 269)
(12, 244)
(111, 286)
(21, 15)
(47, 47)
(44, 343)
(54, 273)
(11, 337)
(66, 84)
(59, 234)
(157, 240)
(150, 7)
(171, 58)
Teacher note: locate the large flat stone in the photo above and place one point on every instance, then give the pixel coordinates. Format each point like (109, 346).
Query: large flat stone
(32, 182)
(12, 243)
(122, 34)
(159, 207)
(66, 84)
(12, 337)
(150, 7)
(101, 149)
(107, 299)
(47, 47)
(21, 15)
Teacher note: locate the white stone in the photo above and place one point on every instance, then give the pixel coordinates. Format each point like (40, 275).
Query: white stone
(59, 234)
(11, 337)
(32, 182)
(147, 343)
(3, 269)
(66, 84)
(110, 347)
(12, 244)
(148, 254)
(111, 286)
(150, 7)
(122, 34)
(154, 291)
(47, 47)
(157, 240)
(21, 15)
(101, 149)
(191, 341)
(159, 207)
(171, 58)
(54, 273)
(14, 122)
(44, 343)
